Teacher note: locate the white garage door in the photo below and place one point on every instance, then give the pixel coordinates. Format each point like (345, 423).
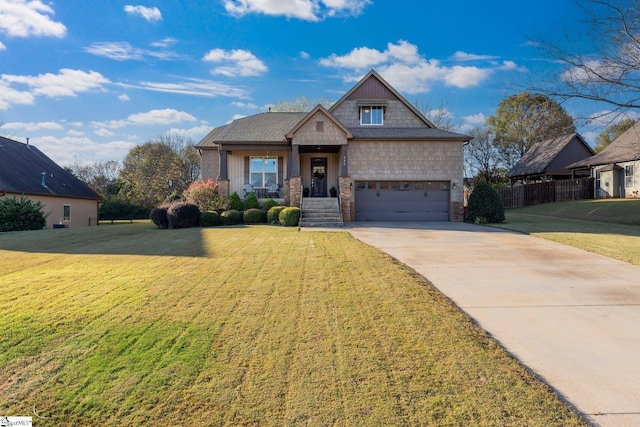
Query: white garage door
(402, 200)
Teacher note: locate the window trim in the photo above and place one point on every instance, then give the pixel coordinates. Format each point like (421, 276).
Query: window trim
(66, 218)
(372, 107)
(264, 171)
(628, 177)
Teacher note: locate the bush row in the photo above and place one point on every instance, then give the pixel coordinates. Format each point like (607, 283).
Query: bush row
(184, 214)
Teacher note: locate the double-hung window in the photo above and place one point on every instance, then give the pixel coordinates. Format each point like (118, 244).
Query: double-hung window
(628, 176)
(372, 115)
(66, 213)
(264, 171)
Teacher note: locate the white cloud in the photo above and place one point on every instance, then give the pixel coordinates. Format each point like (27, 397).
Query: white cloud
(73, 132)
(2, 46)
(15, 90)
(308, 10)
(464, 56)
(402, 65)
(124, 97)
(104, 133)
(194, 133)
(123, 51)
(194, 87)
(304, 55)
(165, 42)
(475, 119)
(247, 105)
(237, 62)
(111, 124)
(32, 126)
(164, 117)
(151, 14)
(236, 117)
(68, 149)
(24, 18)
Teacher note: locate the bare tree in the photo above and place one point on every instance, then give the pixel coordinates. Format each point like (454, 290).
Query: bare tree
(102, 177)
(440, 116)
(482, 157)
(605, 67)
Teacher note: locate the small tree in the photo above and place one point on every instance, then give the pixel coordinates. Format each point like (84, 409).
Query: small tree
(235, 203)
(202, 193)
(485, 205)
(251, 201)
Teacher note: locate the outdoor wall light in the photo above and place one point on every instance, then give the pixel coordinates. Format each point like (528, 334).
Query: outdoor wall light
(453, 187)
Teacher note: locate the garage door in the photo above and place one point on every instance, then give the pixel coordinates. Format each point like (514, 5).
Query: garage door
(402, 200)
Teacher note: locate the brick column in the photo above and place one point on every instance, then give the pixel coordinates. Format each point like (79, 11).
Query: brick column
(295, 191)
(346, 202)
(223, 187)
(457, 211)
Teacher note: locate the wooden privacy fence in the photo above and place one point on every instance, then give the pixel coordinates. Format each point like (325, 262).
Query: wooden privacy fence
(546, 192)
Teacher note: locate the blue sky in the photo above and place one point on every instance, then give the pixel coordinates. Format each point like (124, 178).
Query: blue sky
(86, 81)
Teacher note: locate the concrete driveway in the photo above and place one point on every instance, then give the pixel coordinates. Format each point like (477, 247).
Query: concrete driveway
(570, 316)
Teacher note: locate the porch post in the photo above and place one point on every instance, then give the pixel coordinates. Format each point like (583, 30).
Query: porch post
(295, 161)
(346, 195)
(344, 164)
(224, 174)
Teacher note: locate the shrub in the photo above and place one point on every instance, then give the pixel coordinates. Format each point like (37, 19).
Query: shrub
(209, 219)
(183, 215)
(115, 207)
(235, 204)
(231, 217)
(485, 205)
(159, 216)
(19, 214)
(268, 204)
(273, 215)
(251, 201)
(201, 193)
(289, 217)
(254, 216)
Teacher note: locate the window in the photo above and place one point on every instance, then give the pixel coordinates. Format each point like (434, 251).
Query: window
(66, 213)
(371, 115)
(264, 171)
(628, 176)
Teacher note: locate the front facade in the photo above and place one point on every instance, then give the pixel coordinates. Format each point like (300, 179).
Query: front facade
(372, 149)
(27, 172)
(616, 169)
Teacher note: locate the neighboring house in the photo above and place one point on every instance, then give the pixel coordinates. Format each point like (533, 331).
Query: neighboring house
(548, 160)
(384, 158)
(26, 171)
(616, 168)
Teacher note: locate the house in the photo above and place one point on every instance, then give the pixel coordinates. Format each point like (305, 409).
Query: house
(616, 166)
(382, 157)
(548, 160)
(26, 171)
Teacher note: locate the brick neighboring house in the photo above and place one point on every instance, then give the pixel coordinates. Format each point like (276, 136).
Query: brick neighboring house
(26, 171)
(616, 168)
(384, 158)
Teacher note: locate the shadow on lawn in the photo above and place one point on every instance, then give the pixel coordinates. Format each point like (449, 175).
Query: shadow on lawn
(142, 239)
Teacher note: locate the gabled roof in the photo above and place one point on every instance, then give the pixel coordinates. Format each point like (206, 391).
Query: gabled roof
(21, 167)
(263, 127)
(540, 156)
(624, 148)
(327, 114)
(374, 74)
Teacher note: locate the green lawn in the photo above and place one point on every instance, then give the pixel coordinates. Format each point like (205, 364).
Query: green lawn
(240, 326)
(606, 227)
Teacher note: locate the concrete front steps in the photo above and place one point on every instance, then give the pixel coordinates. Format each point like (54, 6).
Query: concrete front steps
(320, 212)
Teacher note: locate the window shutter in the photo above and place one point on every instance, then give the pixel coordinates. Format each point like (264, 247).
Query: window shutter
(280, 170)
(247, 178)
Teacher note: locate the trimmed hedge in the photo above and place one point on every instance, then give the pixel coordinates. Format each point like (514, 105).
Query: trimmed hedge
(235, 203)
(273, 215)
(268, 204)
(231, 217)
(19, 214)
(254, 216)
(485, 205)
(209, 219)
(289, 217)
(251, 201)
(159, 216)
(183, 215)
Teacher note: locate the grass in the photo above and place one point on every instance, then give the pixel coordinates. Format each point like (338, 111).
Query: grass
(606, 227)
(242, 326)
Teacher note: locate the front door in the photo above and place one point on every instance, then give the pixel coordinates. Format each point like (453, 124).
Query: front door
(318, 177)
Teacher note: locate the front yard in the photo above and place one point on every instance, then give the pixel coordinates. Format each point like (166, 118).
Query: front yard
(130, 325)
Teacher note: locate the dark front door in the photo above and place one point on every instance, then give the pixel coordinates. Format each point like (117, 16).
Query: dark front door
(318, 177)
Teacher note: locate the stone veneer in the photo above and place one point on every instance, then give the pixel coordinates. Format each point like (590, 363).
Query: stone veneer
(223, 187)
(295, 191)
(346, 204)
